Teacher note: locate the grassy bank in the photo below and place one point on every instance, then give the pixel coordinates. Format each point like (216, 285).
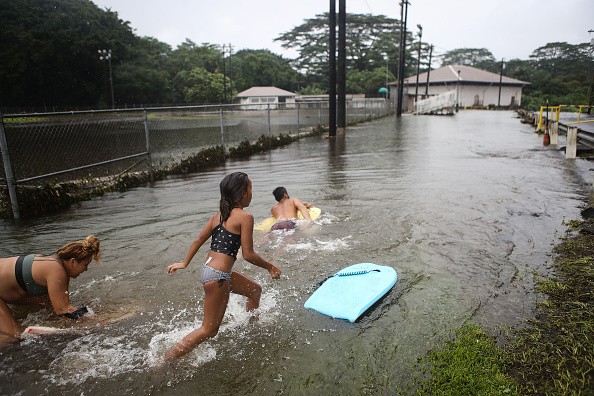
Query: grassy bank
(470, 364)
(553, 355)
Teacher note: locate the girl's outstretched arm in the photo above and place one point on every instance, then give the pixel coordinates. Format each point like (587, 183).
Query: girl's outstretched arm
(197, 244)
(247, 247)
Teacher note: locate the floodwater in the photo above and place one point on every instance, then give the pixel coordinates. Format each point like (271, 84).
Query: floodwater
(466, 208)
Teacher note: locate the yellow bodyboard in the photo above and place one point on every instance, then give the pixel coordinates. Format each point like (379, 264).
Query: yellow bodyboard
(268, 222)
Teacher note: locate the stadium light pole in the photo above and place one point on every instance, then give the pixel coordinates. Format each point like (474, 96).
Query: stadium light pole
(105, 54)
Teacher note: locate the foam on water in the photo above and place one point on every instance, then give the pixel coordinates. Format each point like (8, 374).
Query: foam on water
(318, 245)
(236, 317)
(102, 356)
(106, 279)
(95, 356)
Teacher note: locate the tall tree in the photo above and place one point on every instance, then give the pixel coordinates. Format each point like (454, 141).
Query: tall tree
(574, 60)
(49, 51)
(203, 87)
(262, 68)
(368, 38)
(475, 57)
(143, 77)
(187, 57)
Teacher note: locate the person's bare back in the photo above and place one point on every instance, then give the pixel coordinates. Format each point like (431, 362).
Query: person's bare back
(286, 208)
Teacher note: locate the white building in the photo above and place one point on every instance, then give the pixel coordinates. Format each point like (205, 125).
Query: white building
(474, 87)
(259, 98)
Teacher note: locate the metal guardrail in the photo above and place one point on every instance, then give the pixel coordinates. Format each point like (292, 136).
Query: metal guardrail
(565, 120)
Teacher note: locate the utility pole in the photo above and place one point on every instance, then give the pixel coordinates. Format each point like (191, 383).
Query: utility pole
(591, 82)
(402, 55)
(500, 80)
(224, 77)
(341, 63)
(332, 70)
(428, 71)
(418, 65)
(230, 73)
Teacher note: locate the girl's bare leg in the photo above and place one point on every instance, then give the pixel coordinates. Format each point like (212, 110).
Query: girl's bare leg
(9, 329)
(246, 287)
(216, 297)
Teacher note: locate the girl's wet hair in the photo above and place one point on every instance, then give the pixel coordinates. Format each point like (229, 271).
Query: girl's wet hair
(81, 250)
(233, 186)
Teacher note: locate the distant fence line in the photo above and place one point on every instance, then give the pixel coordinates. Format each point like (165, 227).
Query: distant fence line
(49, 148)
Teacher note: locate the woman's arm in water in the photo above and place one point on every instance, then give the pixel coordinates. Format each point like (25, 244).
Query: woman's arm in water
(57, 283)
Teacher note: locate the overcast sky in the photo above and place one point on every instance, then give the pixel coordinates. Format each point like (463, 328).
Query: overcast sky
(509, 29)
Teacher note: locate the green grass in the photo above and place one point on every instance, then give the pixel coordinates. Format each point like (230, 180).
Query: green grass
(471, 364)
(23, 120)
(552, 355)
(555, 354)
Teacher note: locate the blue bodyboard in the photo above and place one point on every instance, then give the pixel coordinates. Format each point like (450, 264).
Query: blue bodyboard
(352, 290)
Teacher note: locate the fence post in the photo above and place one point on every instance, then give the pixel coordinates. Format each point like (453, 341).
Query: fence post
(147, 136)
(320, 113)
(223, 132)
(269, 127)
(10, 182)
(365, 109)
(571, 147)
(554, 132)
(298, 120)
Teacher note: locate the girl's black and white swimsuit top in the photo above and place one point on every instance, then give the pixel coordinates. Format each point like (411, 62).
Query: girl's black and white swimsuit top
(224, 241)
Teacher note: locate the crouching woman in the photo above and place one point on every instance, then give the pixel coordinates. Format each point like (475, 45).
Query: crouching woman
(41, 280)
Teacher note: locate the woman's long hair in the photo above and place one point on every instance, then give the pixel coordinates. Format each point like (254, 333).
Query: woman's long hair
(233, 186)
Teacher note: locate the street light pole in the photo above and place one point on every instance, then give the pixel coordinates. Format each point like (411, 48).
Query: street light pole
(227, 49)
(458, 92)
(106, 55)
(387, 59)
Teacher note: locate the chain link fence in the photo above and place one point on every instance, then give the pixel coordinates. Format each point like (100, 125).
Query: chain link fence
(52, 148)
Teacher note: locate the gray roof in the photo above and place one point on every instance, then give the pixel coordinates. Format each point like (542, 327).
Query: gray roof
(264, 91)
(468, 75)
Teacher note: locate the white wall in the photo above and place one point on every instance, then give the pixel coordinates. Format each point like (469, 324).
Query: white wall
(483, 94)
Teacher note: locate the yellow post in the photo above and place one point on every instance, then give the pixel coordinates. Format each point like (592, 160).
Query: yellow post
(539, 126)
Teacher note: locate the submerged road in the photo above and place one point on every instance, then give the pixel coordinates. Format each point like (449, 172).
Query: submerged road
(465, 208)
